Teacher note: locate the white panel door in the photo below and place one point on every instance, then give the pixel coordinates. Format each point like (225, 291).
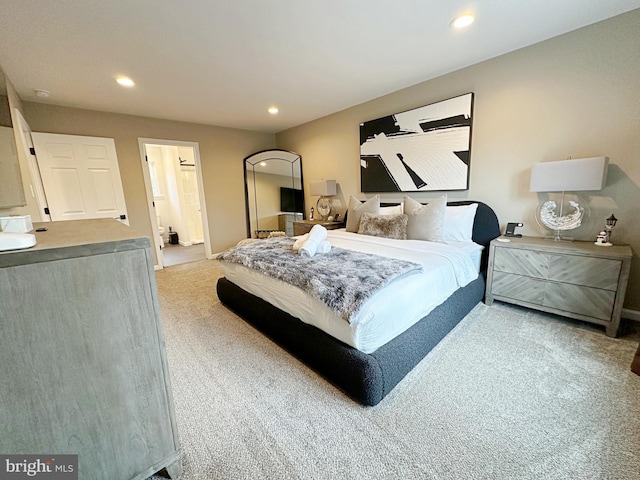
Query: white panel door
(37, 190)
(81, 177)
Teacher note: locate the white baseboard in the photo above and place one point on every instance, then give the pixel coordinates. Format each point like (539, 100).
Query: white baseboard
(629, 314)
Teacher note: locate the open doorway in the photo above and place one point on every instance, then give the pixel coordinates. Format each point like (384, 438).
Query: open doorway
(173, 182)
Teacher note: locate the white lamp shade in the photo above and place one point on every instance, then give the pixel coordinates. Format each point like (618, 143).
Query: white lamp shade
(577, 175)
(326, 188)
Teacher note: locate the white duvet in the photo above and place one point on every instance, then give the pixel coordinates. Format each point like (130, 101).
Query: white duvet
(390, 311)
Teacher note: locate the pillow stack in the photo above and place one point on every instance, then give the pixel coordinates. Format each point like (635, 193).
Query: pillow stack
(433, 222)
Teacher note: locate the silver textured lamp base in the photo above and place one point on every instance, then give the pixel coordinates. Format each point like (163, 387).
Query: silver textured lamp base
(558, 223)
(323, 207)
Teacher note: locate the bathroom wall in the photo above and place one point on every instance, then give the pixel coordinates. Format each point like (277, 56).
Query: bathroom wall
(176, 195)
(157, 171)
(186, 178)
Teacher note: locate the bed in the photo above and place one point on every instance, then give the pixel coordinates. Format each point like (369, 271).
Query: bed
(367, 373)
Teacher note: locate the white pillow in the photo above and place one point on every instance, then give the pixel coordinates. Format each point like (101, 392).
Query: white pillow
(425, 222)
(458, 223)
(392, 210)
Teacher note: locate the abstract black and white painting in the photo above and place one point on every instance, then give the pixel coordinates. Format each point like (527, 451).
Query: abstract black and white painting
(421, 150)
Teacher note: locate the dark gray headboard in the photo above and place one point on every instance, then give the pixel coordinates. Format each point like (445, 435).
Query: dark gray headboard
(485, 226)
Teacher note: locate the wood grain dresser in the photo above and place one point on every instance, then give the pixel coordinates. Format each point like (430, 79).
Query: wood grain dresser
(82, 358)
(575, 279)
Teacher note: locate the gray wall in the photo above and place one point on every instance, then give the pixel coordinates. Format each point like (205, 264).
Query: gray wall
(222, 151)
(577, 95)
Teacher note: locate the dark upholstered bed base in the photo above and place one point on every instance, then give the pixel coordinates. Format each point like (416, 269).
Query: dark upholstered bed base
(367, 378)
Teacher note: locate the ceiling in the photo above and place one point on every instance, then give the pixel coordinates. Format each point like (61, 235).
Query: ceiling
(224, 62)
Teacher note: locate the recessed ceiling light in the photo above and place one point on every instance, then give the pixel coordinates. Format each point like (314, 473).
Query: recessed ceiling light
(273, 110)
(42, 93)
(462, 21)
(125, 81)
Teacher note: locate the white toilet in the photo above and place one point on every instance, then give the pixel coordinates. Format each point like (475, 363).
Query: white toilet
(160, 231)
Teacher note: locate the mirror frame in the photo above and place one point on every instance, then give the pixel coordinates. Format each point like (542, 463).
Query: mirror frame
(12, 194)
(254, 159)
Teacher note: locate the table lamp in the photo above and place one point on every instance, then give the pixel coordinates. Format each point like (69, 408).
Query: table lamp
(579, 175)
(324, 190)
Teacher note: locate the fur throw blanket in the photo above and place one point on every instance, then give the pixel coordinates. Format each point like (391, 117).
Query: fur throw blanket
(342, 279)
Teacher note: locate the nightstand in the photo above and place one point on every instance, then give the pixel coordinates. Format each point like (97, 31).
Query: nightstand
(304, 226)
(285, 222)
(574, 279)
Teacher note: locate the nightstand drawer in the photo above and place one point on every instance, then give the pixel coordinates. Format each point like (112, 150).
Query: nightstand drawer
(588, 271)
(300, 228)
(521, 262)
(518, 287)
(579, 270)
(304, 226)
(592, 302)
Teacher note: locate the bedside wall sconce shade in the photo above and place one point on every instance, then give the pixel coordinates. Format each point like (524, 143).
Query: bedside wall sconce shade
(579, 175)
(324, 190)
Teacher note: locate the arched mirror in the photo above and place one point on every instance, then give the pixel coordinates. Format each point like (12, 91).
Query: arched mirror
(274, 194)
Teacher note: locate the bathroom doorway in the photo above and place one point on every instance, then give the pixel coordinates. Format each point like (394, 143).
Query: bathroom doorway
(173, 181)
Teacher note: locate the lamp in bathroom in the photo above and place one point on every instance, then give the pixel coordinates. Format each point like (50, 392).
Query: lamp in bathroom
(324, 190)
(578, 175)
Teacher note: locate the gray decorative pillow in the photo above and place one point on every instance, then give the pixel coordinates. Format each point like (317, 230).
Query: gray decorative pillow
(387, 226)
(426, 222)
(357, 208)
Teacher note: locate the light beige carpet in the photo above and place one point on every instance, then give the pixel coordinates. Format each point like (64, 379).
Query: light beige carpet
(177, 254)
(509, 394)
